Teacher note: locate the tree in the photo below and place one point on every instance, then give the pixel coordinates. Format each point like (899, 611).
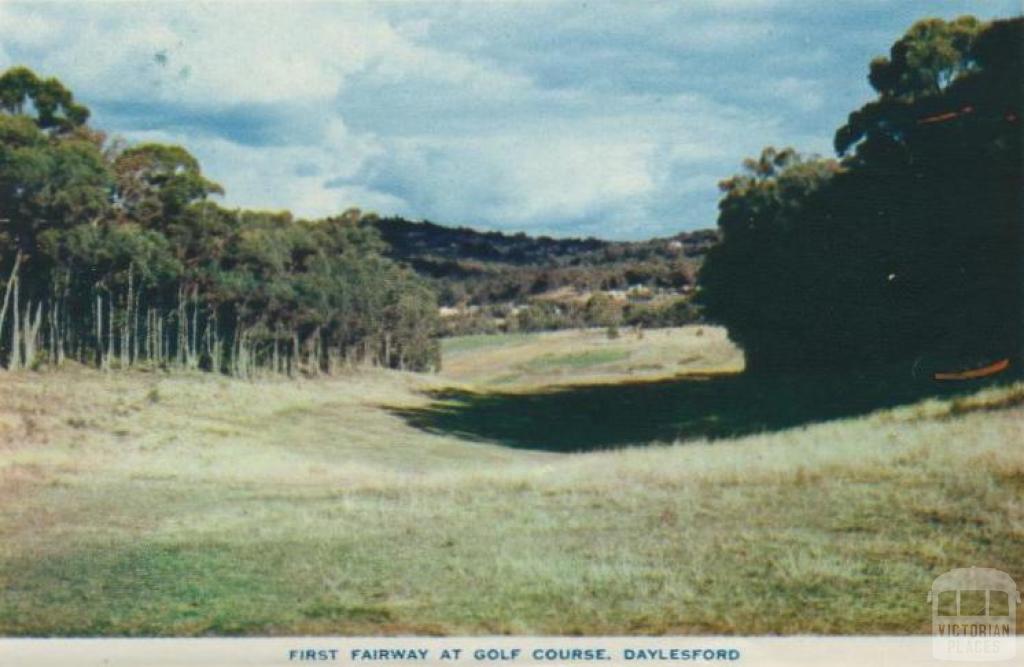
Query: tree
(602, 311)
(156, 182)
(931, 56)
(765, 274)
(49, 181)
(908, 248)
(54, 104)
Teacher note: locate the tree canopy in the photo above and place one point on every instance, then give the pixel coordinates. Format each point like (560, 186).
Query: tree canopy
(21, 91)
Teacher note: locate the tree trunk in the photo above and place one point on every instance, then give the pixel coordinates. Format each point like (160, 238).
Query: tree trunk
(30, 333)
(193, 348)
(15, 333)
(13, 278)
(110, 329)
(127, 324)
(99, 329)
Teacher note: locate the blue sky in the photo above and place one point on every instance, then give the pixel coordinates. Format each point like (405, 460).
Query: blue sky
(611, 119)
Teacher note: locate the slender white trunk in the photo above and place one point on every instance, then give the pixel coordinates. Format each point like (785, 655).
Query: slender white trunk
(126, 326)
(110, 329)
(30, 333)
(15, 332)
(11, 280)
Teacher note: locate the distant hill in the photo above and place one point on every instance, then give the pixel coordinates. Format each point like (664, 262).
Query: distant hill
(491, 281)
(410, 240)
(479, 268)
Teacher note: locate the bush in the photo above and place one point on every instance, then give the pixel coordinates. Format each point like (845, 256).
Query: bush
(675, 313)
(540, 316)
(602, 311)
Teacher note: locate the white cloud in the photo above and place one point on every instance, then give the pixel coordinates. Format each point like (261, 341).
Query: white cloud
(804, 94)
(272, 178)
(206, 56)
(615, 119)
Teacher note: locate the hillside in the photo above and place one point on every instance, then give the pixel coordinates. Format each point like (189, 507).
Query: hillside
(480, 268)
(384, 503)
(410, 240)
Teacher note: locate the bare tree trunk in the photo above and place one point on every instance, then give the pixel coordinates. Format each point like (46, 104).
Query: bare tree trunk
(62, 327)
(193, 348)
(30, 334)
(52, 332)
(135, 325)
(110, 329)
(215, 351)
(236, 360)
(165, 344)
(99, 329)
(127, 324)
(15, 333)
(13, 278)
(315, 355)
(182, 327)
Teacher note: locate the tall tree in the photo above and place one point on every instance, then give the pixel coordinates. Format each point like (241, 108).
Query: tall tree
(908, 249)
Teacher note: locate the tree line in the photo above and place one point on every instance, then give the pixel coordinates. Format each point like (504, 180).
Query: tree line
(908, 246)
(115, 256)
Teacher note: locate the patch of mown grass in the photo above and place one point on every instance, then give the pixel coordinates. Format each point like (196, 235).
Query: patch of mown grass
(140, 589)
(460, 344)
(576, 360)
(554, 358)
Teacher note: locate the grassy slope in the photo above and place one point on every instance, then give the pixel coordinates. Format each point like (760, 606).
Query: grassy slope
(529, 361)
(148, 504)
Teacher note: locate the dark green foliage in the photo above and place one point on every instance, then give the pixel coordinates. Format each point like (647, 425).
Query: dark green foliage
(116, 258)
(542, 316)
(54, 105)
(156, 183)
(749, 281)
(672, 313)
(908, 249)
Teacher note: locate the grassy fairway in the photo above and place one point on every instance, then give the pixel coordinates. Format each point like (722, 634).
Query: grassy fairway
(529, 362)
(390, 503)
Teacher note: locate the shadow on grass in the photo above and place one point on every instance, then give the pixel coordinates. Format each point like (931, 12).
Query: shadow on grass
(594, 417)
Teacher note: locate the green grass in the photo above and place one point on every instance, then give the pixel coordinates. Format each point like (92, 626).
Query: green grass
(576, 360)
(326, 507)
(461, 344)
(527, 362)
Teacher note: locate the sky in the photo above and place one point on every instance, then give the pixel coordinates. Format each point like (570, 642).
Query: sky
(584, 118)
